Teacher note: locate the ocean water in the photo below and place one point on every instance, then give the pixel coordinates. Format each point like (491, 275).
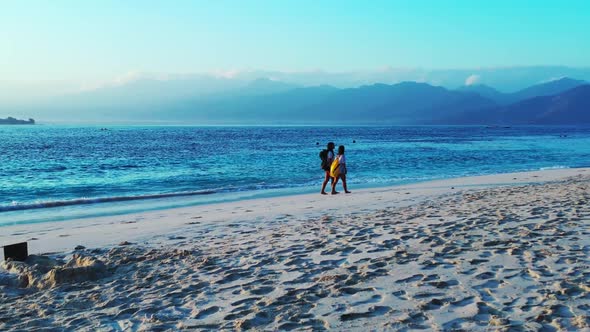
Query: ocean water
(50, 173)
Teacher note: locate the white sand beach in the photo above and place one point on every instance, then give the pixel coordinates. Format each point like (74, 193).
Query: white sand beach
(499, 252)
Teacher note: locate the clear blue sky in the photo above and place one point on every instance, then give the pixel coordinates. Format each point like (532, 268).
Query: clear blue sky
(45, 40)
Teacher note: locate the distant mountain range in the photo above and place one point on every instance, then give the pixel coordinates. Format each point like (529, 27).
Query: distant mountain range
(544, 89)
(266, 101)
(402, 103)
(571, 107)
(156, 85)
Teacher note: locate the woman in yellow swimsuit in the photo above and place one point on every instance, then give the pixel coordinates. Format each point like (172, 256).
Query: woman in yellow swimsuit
(338, 170)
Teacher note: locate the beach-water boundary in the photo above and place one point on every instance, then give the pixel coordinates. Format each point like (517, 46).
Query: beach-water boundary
(59, 210)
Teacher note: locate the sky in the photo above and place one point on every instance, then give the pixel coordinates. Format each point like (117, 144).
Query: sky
(100, 40)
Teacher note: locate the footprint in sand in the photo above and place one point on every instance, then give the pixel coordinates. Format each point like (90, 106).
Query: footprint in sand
(400, 294)
(434, 304)
(413, 278)
(262, 290)
(230, 276)
(259, 319)
(343, 251)
(431, 277)
(373, 299)
(238, 314)
(485, 276)
(443, 284)
(353, 290)
(372, 312)
(561, 310)
(463, 302)
(426, 295)
(207, 312)
(414, 319)
(246, 301)
(332, 262)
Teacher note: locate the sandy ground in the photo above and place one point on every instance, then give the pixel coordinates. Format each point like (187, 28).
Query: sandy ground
(501, 252)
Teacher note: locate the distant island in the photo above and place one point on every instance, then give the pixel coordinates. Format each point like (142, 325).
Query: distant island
(13, 121)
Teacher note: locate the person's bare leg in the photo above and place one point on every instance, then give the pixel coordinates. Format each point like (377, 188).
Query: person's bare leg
(334, 192)
(326, 179)
(344, 184)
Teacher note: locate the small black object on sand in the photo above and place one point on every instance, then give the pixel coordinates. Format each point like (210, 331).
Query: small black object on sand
(17, 251)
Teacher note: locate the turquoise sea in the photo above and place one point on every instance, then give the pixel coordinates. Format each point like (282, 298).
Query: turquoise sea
(50, 173)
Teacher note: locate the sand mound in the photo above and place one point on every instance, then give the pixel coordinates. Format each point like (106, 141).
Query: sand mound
(44, 272)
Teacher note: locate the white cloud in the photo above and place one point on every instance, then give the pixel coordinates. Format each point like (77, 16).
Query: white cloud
(229, 74)
(472, 79)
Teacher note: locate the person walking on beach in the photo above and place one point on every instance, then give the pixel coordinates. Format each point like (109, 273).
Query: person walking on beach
(338, 170)
(327, 157)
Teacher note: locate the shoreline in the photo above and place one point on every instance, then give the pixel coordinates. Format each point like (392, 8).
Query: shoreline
(64, 235)
(182, 198)
(136, 203)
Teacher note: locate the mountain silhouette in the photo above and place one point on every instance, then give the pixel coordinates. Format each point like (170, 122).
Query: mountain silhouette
(484, 91)
(265, 86)
(544, 89)
(571, 107)
(264, 101)
(403, 103)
